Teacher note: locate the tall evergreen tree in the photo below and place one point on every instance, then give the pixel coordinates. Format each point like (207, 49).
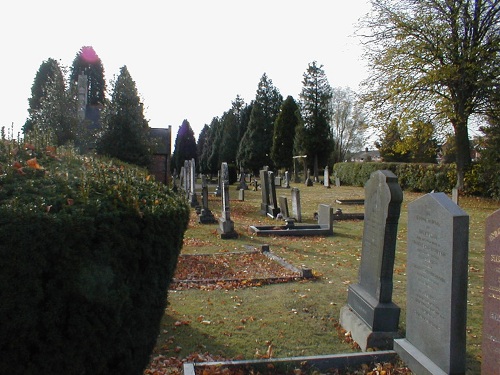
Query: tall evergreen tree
(216, 140)
(260, 127)
(315, 138)
(284, 134)
(200, 145)
(229, 140)
(52, 109)
(126, 133)
(88, 62)
(185, 146)
(391, 145)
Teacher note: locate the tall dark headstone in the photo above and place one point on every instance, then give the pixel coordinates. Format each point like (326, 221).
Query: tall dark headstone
(272, 209)
(264, 187)
(436, 301)
(491, 319)
(370, 315)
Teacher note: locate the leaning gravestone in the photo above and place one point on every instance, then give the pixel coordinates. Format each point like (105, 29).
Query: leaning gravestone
(436, 301)
(491, 318)
(370, 315)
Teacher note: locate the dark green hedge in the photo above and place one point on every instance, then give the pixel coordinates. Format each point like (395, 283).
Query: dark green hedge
(87, 251)
(411, 176)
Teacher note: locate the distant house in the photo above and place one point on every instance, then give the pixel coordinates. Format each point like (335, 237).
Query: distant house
(366, 155)
(160, 165)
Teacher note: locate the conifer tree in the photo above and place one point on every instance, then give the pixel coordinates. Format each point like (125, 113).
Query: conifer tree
(284, 134)
(126, 133)
(185, 146)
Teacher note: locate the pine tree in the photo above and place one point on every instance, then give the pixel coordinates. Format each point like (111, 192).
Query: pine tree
(185, 146)
(314, 137)
(284, 134)
(258, 137)
(126, 133)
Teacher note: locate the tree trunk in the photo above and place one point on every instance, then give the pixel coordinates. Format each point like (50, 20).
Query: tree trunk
(463, 151)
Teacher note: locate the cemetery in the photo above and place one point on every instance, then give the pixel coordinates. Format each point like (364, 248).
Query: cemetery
(353, 310)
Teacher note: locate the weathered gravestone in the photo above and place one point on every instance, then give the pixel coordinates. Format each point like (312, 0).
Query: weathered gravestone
(370, 315)
(296, 207)
(264, 187)
(206, 216)
(436, 301)
(491, 321)
(226, 225)
(326, 178)
(192, 184)
(283, 203)
(272, 209)
(286, 180)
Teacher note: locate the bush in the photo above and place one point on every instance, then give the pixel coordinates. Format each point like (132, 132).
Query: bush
(419, 177)
(87, 251)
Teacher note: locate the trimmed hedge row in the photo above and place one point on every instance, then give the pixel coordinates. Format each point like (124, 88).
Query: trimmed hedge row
(411, 176)
(87, 252)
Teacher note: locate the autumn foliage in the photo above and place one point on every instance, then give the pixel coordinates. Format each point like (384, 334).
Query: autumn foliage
(87, 250)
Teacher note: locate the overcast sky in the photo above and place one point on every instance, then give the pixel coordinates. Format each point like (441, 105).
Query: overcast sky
(189, 59)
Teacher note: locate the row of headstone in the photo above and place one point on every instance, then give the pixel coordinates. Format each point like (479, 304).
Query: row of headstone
(437, 264)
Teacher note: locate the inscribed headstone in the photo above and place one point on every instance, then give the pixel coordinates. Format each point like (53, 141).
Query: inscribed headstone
(370, 314)
(436, 302)
(296, 208)
(490, 347)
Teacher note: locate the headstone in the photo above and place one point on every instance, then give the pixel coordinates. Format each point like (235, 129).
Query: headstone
(490, 363)
(286, 180)
(337, 182)
(370, 315)
(242, 183)
(218, 187)
(283, 204)
(192, 184)
(308, 178)
(296, 208)
(241, 195)
(326, 178)
(436, 301)
(187, 178)
(206, 216)
(264, 186)
(272, 209)
(226, 225)
(182, 179)
(454, 195)
(277, 181)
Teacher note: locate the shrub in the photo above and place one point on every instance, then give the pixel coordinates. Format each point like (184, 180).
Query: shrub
(87, 250)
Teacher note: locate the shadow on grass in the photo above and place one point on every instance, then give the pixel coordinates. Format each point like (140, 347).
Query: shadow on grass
(181, 339)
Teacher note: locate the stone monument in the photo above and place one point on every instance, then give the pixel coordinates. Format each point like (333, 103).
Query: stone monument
(490, 363)
(436, 301)
(226, 225)
(370, 315)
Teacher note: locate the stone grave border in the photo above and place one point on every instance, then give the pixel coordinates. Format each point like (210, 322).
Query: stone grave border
(319, 362)
(302, 273)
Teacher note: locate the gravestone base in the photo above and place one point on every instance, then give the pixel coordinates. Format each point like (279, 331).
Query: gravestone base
(379, 316)
(363, 335)
(415, 359)
(263, 209)
(206, 217)
(226, 229)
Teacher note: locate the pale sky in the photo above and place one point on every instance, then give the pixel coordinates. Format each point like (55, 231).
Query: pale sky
(189, 59)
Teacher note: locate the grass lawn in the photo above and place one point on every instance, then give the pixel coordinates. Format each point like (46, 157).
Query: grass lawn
(248, 320)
